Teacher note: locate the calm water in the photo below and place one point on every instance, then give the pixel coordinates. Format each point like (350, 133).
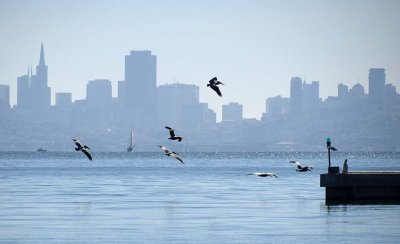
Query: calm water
(146, 197)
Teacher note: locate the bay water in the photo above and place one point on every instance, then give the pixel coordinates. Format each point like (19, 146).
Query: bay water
(150, 198)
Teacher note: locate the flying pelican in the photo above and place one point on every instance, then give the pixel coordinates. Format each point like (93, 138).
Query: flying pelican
(170, 153)
(172, 134)
(215, 81)
(82, 148)
(213, 84)
(265, 174)
(302, 168)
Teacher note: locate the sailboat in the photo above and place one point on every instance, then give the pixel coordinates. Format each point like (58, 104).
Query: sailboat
(132, 141)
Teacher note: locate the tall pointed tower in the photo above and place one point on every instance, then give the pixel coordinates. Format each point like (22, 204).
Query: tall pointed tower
(40, 92)
(41, 69)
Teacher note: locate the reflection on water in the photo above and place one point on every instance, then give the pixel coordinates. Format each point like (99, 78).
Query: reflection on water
(150, 198)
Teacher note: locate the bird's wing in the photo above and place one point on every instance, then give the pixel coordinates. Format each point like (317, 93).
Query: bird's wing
(164, 149)
(177, 157)
(77, 142)
(87, 154)
(212, 81)
(167, 127)
(216, 89)
(298, 164)
(219, 82)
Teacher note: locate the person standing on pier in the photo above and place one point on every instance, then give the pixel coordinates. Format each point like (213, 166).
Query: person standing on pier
(345, 169)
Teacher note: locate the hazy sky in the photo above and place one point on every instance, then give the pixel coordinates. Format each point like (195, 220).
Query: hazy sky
(255, 47)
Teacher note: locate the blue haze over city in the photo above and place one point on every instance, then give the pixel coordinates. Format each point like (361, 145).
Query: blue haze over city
(295, 73)
(91, 93)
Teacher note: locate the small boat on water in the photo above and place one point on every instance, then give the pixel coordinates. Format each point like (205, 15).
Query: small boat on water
(131, 142)
(41, 150)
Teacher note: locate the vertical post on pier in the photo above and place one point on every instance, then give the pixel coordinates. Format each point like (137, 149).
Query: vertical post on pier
(328, 145)
(334, 170)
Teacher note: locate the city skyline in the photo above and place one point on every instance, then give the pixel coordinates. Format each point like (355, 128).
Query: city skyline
(311, 90)
(296, 122)
(261, 43)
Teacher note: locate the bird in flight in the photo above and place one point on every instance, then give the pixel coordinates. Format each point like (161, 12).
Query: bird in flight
(265, 174)
(171, 154)
(83, 148)
(216, 82)
(213, 84)
(172, 134)
(301, 168)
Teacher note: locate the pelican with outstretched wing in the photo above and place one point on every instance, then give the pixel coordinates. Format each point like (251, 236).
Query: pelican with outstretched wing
(301, 168)
(264, 174)
(172, 134)
(82, 148)
(169, 153)
(213, 84)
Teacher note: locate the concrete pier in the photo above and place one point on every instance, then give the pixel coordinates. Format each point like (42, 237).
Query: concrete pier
(361, 187)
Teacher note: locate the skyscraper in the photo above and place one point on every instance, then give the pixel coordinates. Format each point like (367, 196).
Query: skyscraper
(310, 96)
(343, 91)
(24, 92)
(357, 91)
(99, 94)
(276, 106)
(40, 92)
(296, 95)
(122, 91)
(33, 91)
(376, 87)
(4, 99)
(171, 101)
(63, 99)
(141, 94)
(198, 115)
(232, 112)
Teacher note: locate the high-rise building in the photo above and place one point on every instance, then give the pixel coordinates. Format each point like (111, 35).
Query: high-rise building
(4, 99)
(296, 95)
(33, 91)
(23, 91)
(40, 92)
(232, 112)
(99, 94)
(357, 91)
(141, 92)
(343, 90)
(122, 92)
(391, 98)
(276, 106)
(197, 115)
(63, 99)
(310, 96)
(376, 87)
(171, 100)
